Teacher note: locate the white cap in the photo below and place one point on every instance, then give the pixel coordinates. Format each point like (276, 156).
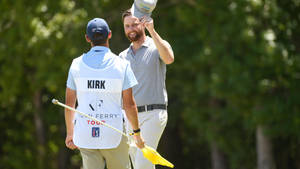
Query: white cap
(141, 8)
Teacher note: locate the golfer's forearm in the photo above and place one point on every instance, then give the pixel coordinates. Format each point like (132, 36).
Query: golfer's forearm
(163, 48)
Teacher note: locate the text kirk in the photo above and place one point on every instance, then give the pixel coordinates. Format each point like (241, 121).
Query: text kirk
(96, 84)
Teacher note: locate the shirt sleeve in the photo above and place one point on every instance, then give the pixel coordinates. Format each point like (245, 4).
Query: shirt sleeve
(121, 55)
(70, 81)
(129, 79)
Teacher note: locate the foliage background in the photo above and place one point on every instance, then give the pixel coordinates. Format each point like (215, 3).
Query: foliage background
(236, 70)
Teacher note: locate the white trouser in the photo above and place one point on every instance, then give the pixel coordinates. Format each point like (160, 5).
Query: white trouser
(152, 124)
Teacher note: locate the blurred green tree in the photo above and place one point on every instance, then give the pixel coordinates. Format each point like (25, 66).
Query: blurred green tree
(233, 88)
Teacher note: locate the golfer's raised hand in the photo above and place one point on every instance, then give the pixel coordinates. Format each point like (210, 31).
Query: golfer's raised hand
(69, 142)
(148, 23)
(139, 141)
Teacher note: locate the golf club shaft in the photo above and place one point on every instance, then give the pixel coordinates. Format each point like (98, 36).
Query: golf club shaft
(54, 101)
(148, 152)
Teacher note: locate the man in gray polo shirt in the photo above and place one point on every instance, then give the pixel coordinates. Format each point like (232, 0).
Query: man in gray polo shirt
(148, 57)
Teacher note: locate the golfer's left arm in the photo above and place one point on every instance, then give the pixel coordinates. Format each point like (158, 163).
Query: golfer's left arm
(164, 49)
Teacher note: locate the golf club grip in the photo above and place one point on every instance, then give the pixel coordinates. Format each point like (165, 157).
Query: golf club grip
(92, 118)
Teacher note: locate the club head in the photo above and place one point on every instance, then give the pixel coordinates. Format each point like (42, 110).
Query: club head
(54, 101)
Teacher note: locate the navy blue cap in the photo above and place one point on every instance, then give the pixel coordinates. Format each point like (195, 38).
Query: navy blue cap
(97, 25)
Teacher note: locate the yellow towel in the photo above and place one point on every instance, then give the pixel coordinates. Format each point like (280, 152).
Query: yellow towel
(153, 156)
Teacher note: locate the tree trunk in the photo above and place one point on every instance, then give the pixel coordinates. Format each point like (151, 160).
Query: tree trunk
(217, 157)
(39, 129)
(264, 150)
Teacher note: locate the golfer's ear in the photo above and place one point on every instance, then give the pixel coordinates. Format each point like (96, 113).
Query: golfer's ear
(87, 38)
(109, 35)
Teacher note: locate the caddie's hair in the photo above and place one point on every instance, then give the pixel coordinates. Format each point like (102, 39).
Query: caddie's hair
(99, 41)
(126, 13)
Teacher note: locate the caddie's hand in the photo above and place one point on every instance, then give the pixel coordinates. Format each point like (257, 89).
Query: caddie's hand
(148, 23)
(69, 142)
(139, 141)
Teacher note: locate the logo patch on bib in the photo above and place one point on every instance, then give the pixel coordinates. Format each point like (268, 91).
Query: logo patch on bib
(95, 131)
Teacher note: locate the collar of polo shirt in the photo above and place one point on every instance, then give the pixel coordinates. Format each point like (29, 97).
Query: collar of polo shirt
(101, 48)
(145, 44)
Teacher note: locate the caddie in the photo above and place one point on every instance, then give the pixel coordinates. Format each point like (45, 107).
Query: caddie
(101, 83)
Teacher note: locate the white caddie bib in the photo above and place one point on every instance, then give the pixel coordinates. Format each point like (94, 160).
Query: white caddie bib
(99, 94)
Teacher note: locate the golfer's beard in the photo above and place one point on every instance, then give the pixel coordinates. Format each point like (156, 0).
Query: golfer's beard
(137, 36)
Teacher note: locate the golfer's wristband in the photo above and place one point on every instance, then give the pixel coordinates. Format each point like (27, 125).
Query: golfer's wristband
(137, 131)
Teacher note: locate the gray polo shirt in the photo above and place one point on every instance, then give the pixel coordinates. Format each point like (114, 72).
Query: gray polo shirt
(150, 72)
